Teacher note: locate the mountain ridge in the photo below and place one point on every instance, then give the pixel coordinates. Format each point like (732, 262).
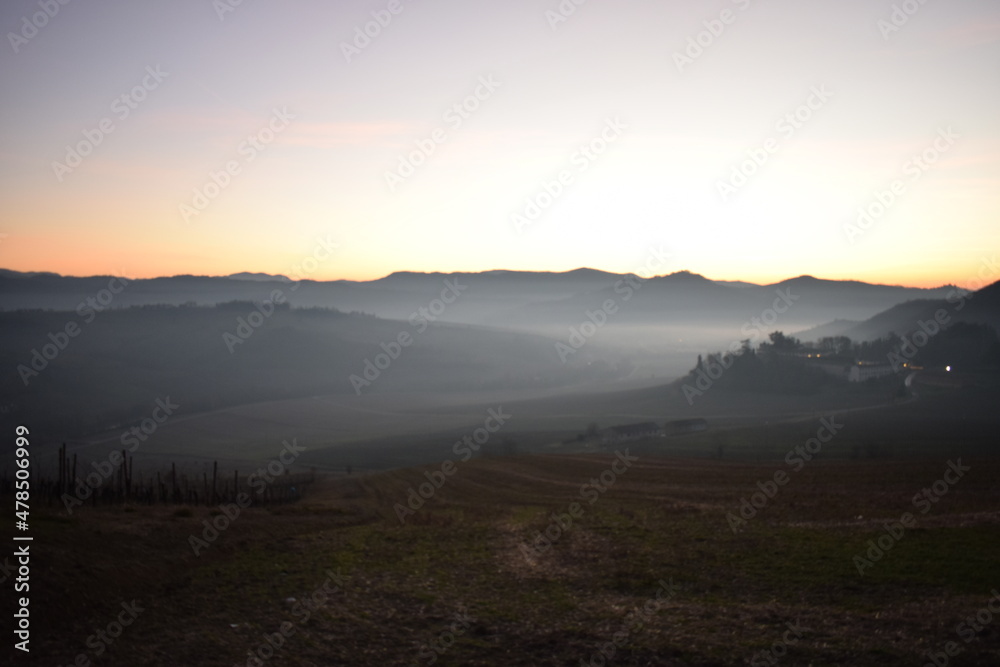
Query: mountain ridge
(580, 271)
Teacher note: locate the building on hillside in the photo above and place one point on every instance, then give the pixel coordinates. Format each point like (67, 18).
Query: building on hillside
(617, 434)
(685, 426)
(863, 371)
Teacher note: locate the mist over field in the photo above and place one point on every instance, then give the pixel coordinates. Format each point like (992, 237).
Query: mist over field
(536, 332)
(421, 405)
(410, 336)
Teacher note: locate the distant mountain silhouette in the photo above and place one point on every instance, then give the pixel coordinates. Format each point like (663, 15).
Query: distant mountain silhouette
(513, 299)
(980, 307)
(260, 277)
(7, 273)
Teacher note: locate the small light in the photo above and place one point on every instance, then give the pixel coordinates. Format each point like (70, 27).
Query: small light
(948, 368)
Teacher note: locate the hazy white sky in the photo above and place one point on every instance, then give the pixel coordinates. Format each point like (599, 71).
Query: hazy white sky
(665, 135)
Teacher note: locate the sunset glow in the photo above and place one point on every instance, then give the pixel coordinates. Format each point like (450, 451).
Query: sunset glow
(231, 141)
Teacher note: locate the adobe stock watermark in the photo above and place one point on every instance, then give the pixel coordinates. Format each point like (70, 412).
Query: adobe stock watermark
(779, 649)
(322, 252)
(258, 481)
(121, 108)
(753, 329)
(900, 16)
(247, 326)
(787, 126)
(130, 439)
(453, 118)
(923, 501)
(440, 645)
(271, 643)
(562, 12)
(87, 310)
(365, 34)
(796, 460)
(633, 624)
(22, 617)
(582, 159)
(597, 319)
(591, 492)
(967, 630)
(104, 637)
(910, 344)
(393, 350)
(223, 7)
(416, 497)
(914, 168)
(987, 274)
(248, 150)
(714, 29)
(263, 311)
(31, 25)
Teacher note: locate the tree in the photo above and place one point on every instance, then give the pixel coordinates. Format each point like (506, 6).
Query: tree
(835, 344)
(782, 343)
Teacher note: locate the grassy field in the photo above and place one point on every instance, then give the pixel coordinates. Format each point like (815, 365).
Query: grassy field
(466, 579)
(395, 430)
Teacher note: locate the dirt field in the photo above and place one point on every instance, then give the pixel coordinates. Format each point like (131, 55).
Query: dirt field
(640, 561)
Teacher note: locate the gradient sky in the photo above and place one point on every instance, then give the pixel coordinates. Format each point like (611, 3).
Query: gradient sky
(323, 176)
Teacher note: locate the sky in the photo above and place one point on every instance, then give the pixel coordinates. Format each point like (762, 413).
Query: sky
(750, 140)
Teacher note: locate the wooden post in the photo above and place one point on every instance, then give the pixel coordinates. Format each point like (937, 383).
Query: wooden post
(126, 475)
(62, 469)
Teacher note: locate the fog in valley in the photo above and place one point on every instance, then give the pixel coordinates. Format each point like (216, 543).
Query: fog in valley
(523, 333)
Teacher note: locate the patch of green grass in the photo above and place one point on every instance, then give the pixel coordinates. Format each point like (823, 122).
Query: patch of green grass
(957, 560)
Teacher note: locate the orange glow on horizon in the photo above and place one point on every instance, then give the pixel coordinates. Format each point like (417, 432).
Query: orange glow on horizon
(138, 267)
